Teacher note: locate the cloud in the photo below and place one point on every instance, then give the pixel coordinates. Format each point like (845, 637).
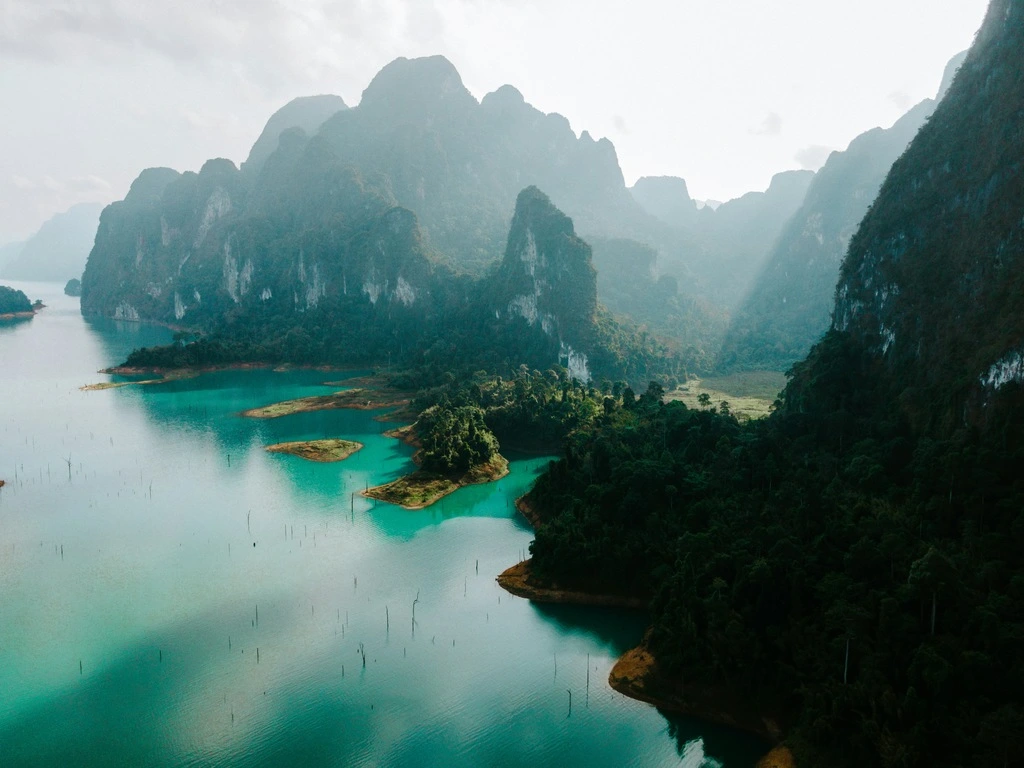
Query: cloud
(813, 157)
(901, 99)
(269, 43)
(620, 124)
(770, 126)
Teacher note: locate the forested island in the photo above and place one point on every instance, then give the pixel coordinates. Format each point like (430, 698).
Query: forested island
(14, 304)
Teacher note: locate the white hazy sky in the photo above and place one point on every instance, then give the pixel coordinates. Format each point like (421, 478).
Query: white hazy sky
(724, 93)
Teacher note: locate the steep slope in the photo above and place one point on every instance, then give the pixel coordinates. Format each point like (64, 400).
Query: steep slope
(305, 112)
(548, 280)
(790, 302)
(58, 251)
(933, 286)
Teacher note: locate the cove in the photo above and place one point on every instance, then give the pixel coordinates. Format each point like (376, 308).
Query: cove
(173, 595)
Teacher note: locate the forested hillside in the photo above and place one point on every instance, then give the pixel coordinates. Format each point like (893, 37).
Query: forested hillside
(849, 566)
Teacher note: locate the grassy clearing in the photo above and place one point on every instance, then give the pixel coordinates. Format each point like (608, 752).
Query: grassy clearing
(749, 394)
(422, 488)
(318, 450)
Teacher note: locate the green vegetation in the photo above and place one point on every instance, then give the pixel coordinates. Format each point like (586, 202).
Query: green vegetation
(13, 302)
(73, 287)
(747, 395)
(769, 549)
(326, 450)
(454, 439)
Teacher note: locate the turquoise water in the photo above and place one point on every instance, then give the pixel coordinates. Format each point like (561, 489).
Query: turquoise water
(150, 550)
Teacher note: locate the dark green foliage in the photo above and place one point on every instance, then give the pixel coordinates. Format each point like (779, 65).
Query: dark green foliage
(73, 287)
(767, 547)
(454, 439)
(13, 301)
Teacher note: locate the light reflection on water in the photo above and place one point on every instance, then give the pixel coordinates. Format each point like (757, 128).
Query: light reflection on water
(144, 528)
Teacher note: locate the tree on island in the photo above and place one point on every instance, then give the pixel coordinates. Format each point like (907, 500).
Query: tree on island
(13, 301)
(454, 439)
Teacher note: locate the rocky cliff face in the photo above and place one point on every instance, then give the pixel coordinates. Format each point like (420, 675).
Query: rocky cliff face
(788, 307)
(547, 279)
(934, 279)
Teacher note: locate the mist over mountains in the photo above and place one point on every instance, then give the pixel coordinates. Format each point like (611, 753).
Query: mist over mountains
(58, 251)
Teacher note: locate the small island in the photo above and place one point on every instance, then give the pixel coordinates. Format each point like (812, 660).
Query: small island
(15, 305)
(455, 449)
(73, 287)
(360, 399)
(318, 450)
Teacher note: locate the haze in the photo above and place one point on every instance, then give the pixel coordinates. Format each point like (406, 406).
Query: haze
(724, 94)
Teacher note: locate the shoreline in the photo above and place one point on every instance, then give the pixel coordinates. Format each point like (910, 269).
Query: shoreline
(196, 370)
(516, 581)
(630, 674)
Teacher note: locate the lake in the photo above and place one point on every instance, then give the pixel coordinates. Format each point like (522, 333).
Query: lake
(173, 595)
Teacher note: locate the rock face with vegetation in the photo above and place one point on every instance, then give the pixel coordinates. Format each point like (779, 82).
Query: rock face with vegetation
(417, 140)
(789, 305)
(58, 251)
(547, 279)
(73, 287)
(933, 286)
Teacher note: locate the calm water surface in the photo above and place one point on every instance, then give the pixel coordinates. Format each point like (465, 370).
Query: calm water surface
(172, 595)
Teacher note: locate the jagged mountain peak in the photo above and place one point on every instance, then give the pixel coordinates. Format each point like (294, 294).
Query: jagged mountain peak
(149, 185)
(422, 88)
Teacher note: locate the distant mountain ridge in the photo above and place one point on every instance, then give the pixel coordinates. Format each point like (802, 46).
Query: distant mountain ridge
(58, 251)
(790, 301)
